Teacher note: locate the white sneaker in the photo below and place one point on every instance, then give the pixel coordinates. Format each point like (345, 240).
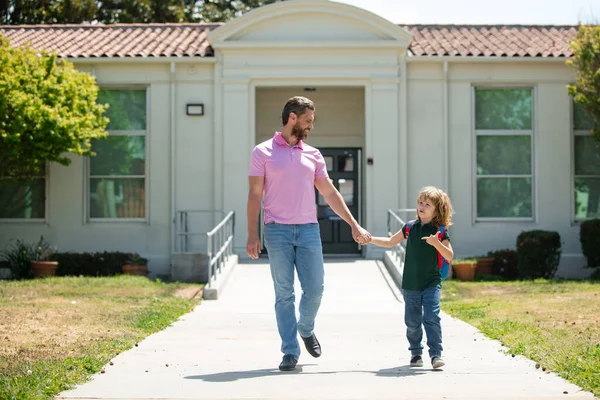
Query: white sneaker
(437, 362)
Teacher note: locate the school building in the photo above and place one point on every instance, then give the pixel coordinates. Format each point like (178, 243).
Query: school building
(480, 111)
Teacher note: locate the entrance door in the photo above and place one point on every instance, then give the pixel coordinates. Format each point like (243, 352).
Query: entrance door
(343, 167)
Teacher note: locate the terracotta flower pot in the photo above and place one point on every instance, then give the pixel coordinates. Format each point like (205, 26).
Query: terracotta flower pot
(43, 269)
(130, 269)
(464, 271)
(485, 266)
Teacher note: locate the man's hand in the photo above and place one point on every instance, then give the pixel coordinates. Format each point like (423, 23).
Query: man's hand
(253, 247)
(360, 235)
(432, 239)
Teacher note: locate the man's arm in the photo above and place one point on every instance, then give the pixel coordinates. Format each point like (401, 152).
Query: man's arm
(338, 205)
(255, 191)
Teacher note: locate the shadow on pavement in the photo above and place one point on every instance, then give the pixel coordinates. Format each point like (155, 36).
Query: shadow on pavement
(231, 376)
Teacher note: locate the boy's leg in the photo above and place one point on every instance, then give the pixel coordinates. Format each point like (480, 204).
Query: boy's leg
(413, 315)
(279, 242)
(309, 264)
(431, 320)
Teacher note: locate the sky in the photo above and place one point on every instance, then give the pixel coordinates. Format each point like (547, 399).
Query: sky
(515, 12)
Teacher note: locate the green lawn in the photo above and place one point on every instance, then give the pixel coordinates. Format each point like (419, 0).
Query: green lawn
(56, 332)
(555, 323)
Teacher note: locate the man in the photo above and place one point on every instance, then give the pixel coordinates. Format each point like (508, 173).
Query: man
(287, 170)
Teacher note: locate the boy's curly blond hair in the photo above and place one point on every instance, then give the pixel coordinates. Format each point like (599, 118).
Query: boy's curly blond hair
(441, 201)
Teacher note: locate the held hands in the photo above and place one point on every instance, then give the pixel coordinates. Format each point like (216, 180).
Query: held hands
(432, 239)
(360, 235)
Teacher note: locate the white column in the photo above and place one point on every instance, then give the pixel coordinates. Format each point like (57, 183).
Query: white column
(218, 153)
(382, 145)
(236, 154)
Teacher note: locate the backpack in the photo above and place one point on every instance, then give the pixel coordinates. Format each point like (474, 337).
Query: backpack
(443, 264)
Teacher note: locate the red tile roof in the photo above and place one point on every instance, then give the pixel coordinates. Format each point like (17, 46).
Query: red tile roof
(491, 40)
(190, 40)
(119, 40)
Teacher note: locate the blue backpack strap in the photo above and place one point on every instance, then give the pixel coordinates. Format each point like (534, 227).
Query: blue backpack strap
(406, 232)
(441, 232)
(442, 262)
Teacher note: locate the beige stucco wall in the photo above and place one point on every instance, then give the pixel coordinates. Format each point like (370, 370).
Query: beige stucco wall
(339, 117)
(66, 224)
(552, 150)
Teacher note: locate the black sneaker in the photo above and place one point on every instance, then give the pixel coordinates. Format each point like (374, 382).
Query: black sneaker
(288, 363)
(312, 345)
(416, 361)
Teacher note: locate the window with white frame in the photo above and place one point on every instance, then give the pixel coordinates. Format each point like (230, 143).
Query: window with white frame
(117, 173)
(504, 152)
(23, 199)
(586, 157)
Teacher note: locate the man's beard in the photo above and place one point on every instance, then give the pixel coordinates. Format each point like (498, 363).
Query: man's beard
(299, 133)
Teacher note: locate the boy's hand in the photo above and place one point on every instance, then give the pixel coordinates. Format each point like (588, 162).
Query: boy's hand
(365, 239)
(361, 235)
(432, 239)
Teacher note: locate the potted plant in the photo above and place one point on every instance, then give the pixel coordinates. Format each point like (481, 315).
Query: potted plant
(485, 265)
(41, 264)
(464, 269)
(136, 265)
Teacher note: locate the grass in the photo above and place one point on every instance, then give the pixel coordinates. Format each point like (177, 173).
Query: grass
(555, 323)
(56, 332)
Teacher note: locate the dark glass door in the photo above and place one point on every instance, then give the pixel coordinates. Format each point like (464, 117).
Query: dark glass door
(343, 167)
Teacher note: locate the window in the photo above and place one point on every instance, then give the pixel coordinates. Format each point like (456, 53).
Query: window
(504, 153)
(23, 199)
(587, 166)
(117, 174)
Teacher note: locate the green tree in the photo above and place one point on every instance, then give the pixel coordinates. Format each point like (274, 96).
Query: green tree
(586, 59)
(221, 10)
(16, 12)
(47, 110)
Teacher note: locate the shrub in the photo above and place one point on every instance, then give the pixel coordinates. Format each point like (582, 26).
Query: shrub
(589, 236)
(136, 259)
(18, 256)
(505, 263)
(106, 263)
(538, 254)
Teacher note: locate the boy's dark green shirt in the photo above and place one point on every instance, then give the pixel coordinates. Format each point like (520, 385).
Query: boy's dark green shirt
(421, 268)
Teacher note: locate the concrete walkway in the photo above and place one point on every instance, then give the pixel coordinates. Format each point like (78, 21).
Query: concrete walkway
(229, 349)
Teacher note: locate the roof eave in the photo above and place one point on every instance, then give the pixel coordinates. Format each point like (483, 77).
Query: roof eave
(146, 60)
(437, 58)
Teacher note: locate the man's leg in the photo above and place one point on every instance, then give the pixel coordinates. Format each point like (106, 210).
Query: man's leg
(413, 317)
(432, 321)
(309, 264)
(279, 242)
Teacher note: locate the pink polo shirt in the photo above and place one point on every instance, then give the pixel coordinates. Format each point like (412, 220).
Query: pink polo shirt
(290, 173)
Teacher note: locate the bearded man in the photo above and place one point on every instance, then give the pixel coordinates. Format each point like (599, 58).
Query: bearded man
(283, 173)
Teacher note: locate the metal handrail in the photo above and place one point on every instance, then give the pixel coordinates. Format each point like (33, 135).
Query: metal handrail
(222, 247)
(394, 224)
(182, 232)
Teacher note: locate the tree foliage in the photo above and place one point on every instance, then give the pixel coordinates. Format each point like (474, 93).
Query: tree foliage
(586, 60)
(16, 12)
(47, 109)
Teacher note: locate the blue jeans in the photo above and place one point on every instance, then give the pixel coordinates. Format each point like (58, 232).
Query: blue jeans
(422, 308)
(298, 245)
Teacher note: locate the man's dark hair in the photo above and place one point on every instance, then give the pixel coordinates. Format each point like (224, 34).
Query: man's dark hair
(297, 105)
